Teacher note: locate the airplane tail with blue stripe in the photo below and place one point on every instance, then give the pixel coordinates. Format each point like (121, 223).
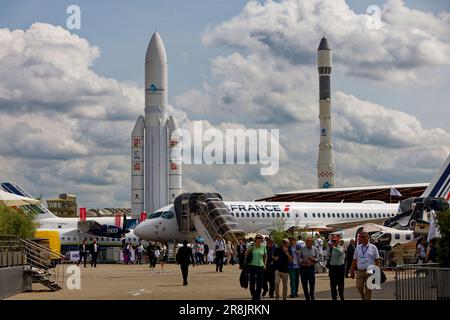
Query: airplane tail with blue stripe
(439, 187)
(38, 210)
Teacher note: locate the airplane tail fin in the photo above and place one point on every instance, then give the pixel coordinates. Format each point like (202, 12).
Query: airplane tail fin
(38, 210)
(439, 187)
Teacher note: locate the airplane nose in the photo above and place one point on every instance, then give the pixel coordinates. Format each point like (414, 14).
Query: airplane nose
(141, 230)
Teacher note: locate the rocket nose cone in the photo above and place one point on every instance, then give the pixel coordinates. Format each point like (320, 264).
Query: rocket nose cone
(156, 53)
(324, 44)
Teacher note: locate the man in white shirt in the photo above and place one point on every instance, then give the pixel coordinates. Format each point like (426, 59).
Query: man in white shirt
(366, 255)
(219, 249)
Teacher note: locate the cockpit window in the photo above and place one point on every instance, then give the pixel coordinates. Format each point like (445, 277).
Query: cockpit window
(155, 215)
(167, 215)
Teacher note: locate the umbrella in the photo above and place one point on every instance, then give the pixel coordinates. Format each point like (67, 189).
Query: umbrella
(12, 200)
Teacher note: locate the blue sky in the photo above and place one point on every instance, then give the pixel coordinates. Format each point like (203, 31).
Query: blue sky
(389, 89)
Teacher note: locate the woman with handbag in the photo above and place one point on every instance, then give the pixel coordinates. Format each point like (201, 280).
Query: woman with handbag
(256, 260)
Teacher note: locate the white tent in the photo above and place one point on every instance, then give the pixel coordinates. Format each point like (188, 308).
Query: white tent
(12, 200)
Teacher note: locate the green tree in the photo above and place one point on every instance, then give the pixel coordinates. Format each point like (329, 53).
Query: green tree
(16, 222)
(443, 243)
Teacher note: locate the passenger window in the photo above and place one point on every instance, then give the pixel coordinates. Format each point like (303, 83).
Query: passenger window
(365, 215)
(348, 216)
(278, 214)
(273, 215)
(296, 215)
(384, 215)
(306, 215)
(314, 215)
(408, 237)
(338, 215)
(282, 215)
(257, 214)
(328, 215)
(253, 214)
(397, 236)
(263, 214)
(288, 215)
(352, 215)
(370, 215)
(318, 215)
(248, 215)
(334, 216)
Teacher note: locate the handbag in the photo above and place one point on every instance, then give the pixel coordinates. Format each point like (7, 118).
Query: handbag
(383, 277)
(249, 257)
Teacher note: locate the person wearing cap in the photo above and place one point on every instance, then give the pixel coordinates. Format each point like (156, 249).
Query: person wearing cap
(366, 255)
(309, 256)
(281, 258)
(256, 266)
(336, 270)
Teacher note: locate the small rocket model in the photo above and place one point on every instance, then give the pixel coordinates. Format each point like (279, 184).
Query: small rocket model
(325, 163)
(155, 149)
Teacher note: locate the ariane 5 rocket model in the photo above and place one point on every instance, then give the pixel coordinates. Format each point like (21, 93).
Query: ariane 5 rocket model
(325, 163)
(155, 149)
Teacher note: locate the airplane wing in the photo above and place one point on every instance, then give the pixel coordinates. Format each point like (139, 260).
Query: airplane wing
(346, 225)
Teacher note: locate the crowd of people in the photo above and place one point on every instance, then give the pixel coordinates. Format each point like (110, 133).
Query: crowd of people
(265, 265)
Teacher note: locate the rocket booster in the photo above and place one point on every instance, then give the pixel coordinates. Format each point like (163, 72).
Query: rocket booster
(137, 166)
(325, 164)
(175, 155)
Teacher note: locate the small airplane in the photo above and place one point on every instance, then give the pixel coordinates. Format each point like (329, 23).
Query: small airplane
(72, 231)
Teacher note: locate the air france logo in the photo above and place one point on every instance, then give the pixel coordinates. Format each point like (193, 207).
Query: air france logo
(153, 88)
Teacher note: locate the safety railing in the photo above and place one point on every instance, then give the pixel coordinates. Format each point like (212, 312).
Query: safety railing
(217, 219)
(422, 282)
(44, 264)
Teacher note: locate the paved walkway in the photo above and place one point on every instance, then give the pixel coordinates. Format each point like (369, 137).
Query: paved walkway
(121, 282)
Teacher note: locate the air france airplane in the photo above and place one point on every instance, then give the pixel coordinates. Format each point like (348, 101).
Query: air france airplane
(263, 217)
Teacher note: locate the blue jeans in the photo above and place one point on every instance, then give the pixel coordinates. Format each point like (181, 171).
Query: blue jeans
(308, 276)
(256, 280)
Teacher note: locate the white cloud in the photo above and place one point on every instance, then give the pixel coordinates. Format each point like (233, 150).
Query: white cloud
(408, 40)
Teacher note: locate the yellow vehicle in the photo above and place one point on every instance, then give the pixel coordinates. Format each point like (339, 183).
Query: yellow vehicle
(54, 243)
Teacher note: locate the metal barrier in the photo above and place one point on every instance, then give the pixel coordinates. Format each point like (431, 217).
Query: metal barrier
(422, 282)
(393, 258)
(10, 252)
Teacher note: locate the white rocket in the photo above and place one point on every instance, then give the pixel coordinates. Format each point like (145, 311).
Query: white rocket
(325, 163)
(155, 151)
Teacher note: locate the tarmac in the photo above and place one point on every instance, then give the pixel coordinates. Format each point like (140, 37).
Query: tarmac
(138, 282)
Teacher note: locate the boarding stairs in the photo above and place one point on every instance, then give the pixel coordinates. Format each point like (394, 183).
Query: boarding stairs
(41, 265)
(208, 215)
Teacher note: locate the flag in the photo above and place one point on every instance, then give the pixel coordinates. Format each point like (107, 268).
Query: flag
(395, 193)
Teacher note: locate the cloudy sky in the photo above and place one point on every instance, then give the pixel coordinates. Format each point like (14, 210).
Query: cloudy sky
(69, 98)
